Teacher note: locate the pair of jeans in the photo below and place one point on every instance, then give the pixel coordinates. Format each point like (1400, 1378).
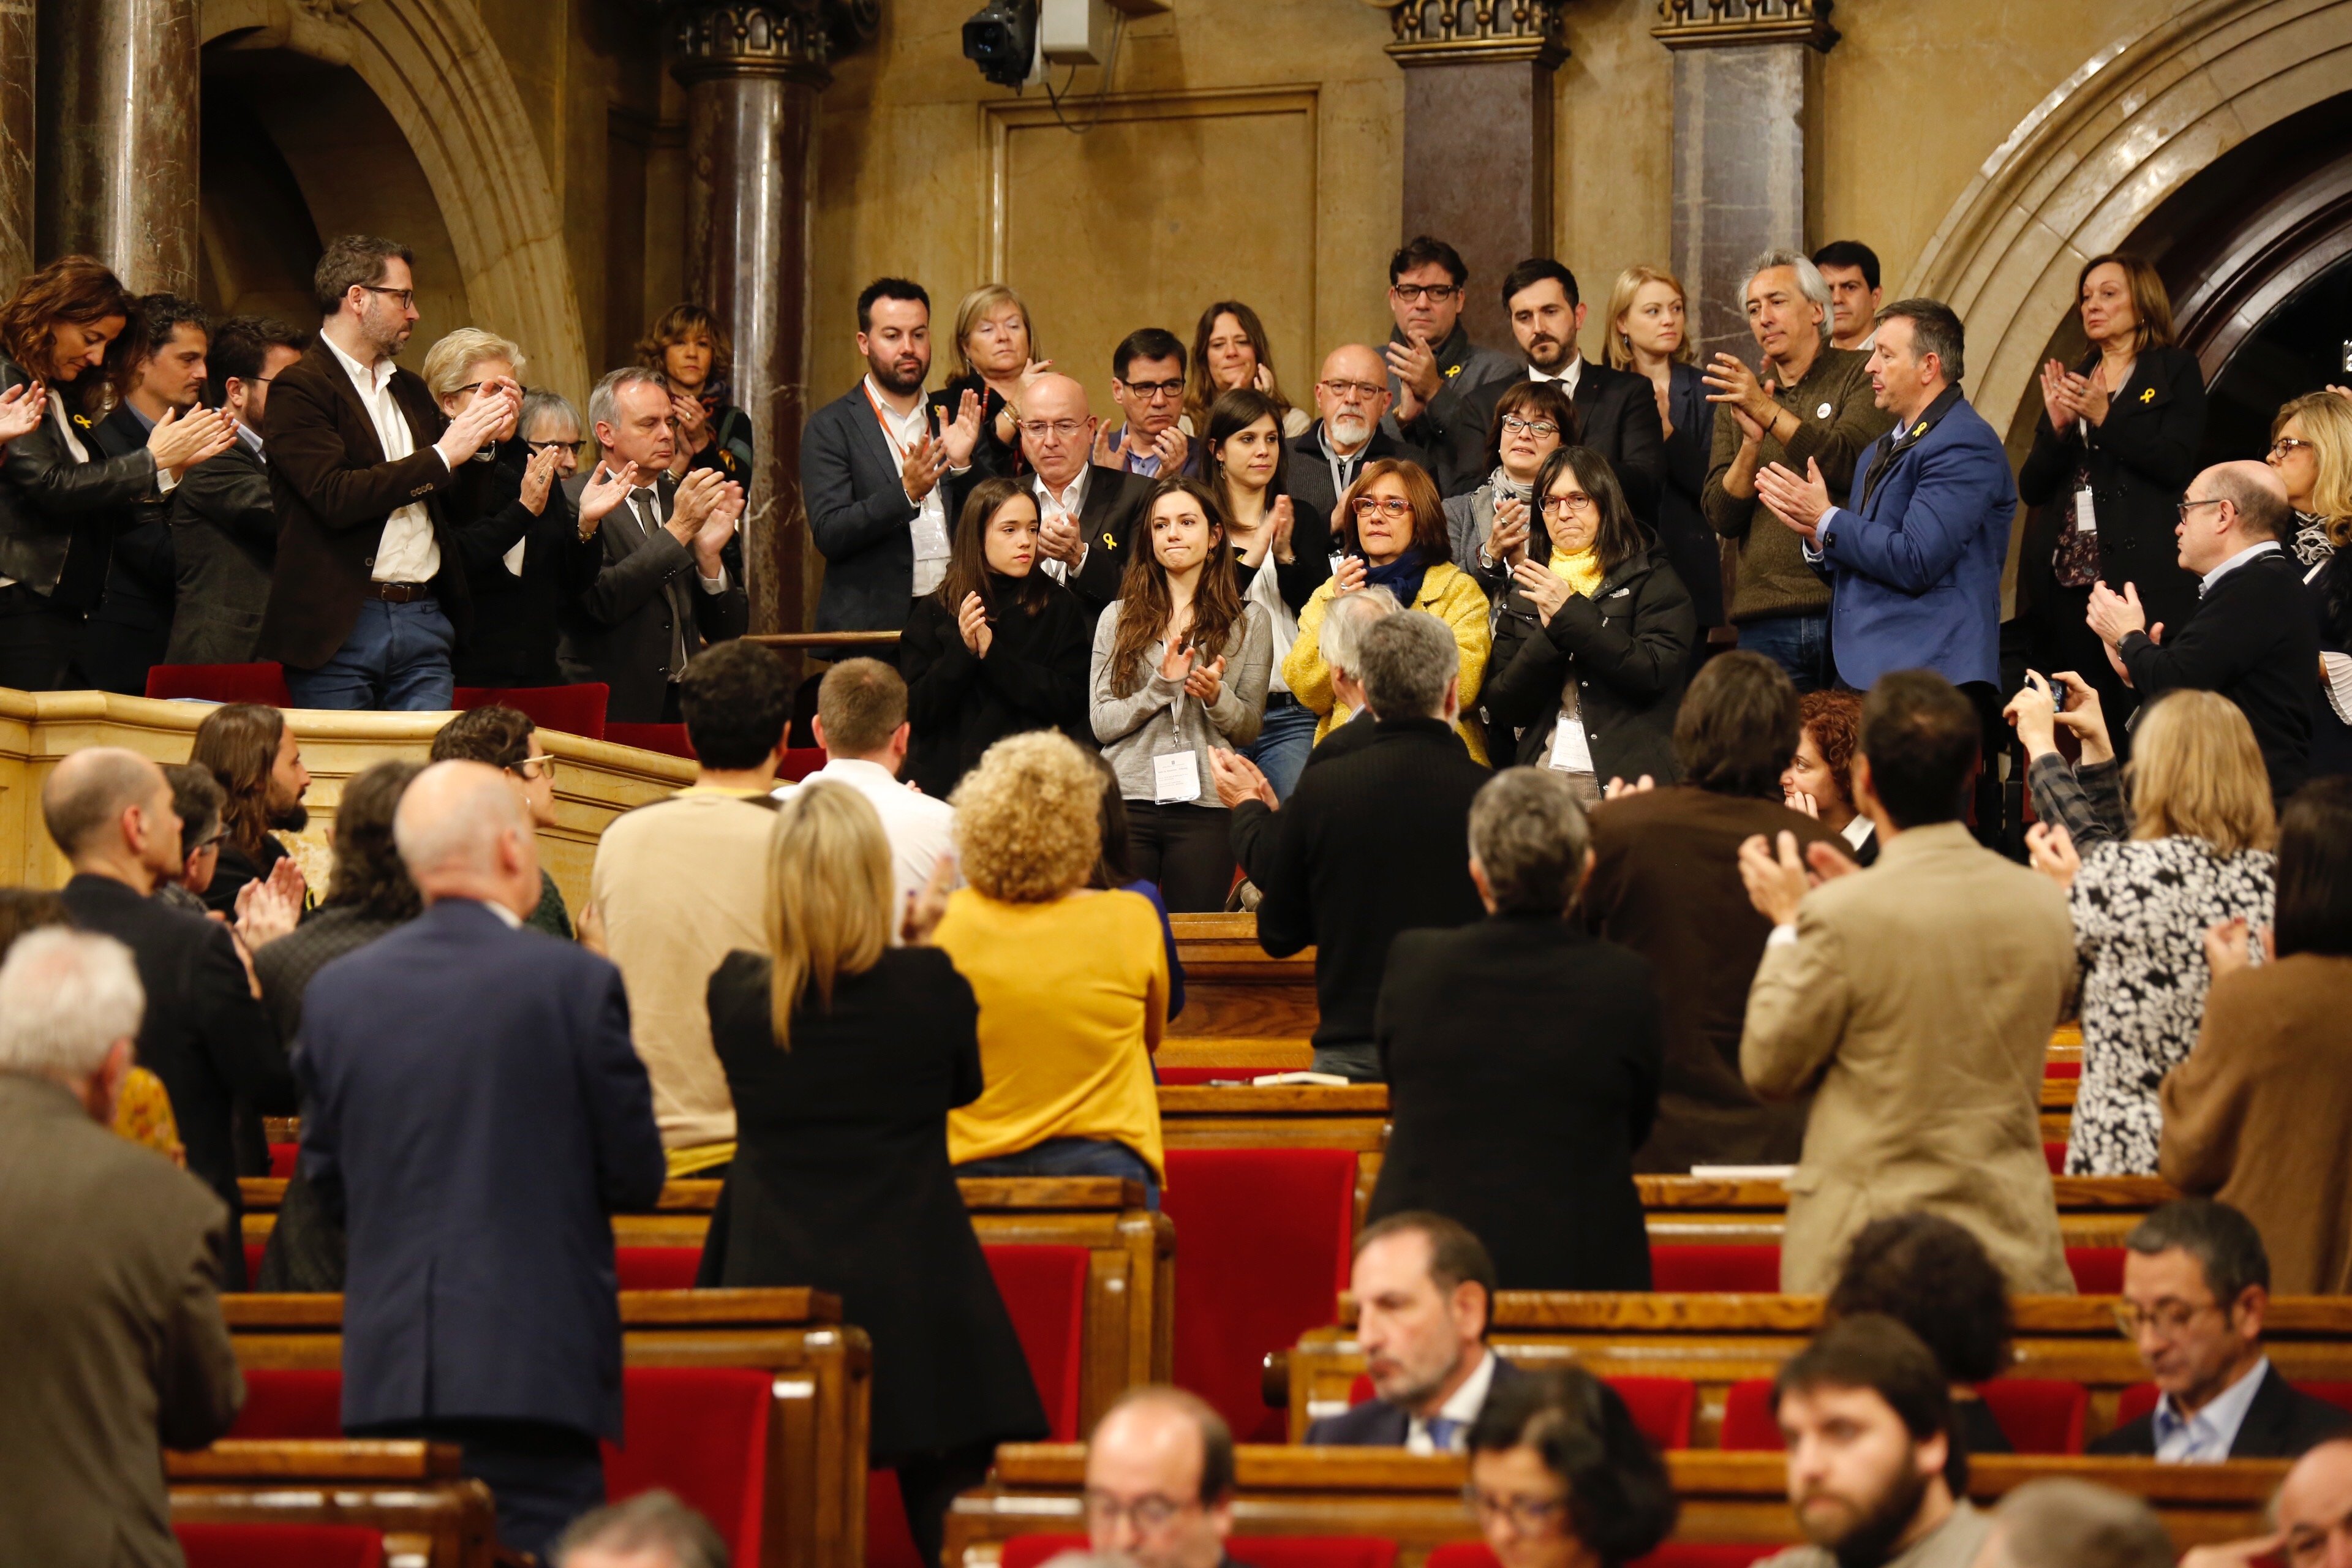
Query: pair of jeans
(396, 660)
(1071, 1157)
(1798, 644)
(1284, 737)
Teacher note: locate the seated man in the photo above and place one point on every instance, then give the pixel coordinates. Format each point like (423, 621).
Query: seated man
(861, 722)
(1160, 1481)
(2196, 1284)
(1425, 1290)
(1868, 1422)
(2059, 1523)
(2313, 1511)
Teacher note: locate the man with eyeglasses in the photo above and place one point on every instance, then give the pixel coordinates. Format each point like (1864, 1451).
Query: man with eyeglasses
(1159, 1481)
(1351, 401)
(1085, 510)
(1429, 351)
(1147, 381)
(2251, 638)
(368, 595)
(2196, 1289)
(222, 520)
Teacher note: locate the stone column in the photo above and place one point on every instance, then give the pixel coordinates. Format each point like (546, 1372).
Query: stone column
(16, 141)
(752, 74)
(1746, 145)
(118, 133)
(1478, 136)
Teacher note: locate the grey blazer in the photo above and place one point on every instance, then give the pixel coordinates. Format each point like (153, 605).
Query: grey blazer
(225, 544)
(621, 630)
(857, 514)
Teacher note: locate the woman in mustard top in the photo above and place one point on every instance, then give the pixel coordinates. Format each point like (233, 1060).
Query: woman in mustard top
(1072, 981)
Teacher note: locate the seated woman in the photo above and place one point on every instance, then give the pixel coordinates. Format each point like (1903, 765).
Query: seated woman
(1072, 982)
(2146, 885)
(1592, 646)
(999, 649)
(1391, 528)
(1561, 1478)
(1818, 780)
(844, 1055)
(1528, 1106)
(1933, 1277)
(1180, 664)
(1490, 527)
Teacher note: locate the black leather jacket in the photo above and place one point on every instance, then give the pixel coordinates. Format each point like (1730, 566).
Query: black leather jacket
(46, 499)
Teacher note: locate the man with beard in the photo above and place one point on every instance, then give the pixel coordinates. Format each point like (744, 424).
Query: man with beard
(874, 465)
(1868, 1417)
(257, 762)
(1351, 398)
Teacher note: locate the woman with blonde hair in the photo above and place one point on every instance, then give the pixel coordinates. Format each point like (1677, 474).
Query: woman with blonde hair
(2311, 448)
(846, 1056)
(993, 349)
(1649, 333)
(1072, 981)
(2147, 880)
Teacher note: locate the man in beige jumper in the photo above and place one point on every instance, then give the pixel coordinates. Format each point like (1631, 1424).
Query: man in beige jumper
(682, 882)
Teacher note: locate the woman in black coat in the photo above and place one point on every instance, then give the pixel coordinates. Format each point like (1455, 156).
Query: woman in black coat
(518, 613)
(999, 649)
(841, 1178)
(1522, 1058)
(1592, 643)
(2125, 424)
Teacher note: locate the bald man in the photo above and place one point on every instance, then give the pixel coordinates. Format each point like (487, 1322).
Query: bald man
(472, 1108)
(2313, 1512)
(2251, 638)
(1160, 1481)
(1351, 397)
(205, 1032)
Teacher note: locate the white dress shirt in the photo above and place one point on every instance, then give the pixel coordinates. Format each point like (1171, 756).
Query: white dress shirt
(919, 829)
(929, 527)
(1463, 1407)
(2205, 1438)
(408, 552)
(1566, 380)
(1070, 502)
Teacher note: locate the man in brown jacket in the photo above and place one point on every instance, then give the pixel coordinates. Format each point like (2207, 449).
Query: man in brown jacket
(1916, 1000)
(110, 1308)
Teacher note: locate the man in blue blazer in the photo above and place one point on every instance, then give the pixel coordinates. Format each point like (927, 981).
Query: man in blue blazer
(473, 1107)
(1914, 563)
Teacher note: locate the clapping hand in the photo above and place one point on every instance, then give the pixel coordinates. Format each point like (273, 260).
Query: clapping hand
(1618, 789)
(717, 527)
(1414, 364)
(693, 421)
(1547, 587)
(1349, 576)
(1799, 501)
(1176, 664)
(479, 423)
(962, 433)
(1508, 544)
(2060, 396)
(602, 492)
(1736, 386)
(1778, 883)
(1058, 539)
(180, 441)
(1239, 779)
(690, 507)
(927, 906)
(538, 479)
(2228, 946)
(1206, 681)
(2115, 616)
(971, 623)
(925, 461)
(1280, 519)
(21, 410)
(2050, 850)
(268, 907)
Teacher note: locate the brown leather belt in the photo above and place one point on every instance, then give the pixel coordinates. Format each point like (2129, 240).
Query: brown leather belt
(399, 593)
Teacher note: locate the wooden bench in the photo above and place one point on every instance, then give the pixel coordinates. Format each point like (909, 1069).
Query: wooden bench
(819, 1392)
(2093, 1211)
(1233, 989)
(1416, 1501)
(1716, 1341)
(429, 1514)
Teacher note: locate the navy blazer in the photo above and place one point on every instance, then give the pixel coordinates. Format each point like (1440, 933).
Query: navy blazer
(472, 1104)
(857, 514)
(1914, 560)
(1377, 1424)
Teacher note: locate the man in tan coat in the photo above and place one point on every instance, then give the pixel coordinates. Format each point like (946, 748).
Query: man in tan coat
(1915, 999)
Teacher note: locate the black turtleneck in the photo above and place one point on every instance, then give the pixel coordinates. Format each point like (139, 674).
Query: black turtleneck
(1034, 678)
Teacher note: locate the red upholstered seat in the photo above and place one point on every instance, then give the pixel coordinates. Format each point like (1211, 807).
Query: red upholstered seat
(657, 1267)
(1673, 1554)
(1254, 1551)
(701, 1432)
(253, 1251)
(2098, 1270)
(221, 683)
(1747, 1423)
(1267, 1234)
(1208, 1075)
(1661, 1407)
(800, 762)
(1753, 1270)
(574, 710)
(1044, 1290)
(668, 738)
(281, 1159)
(2061, 1070)
(2038, 1414)
(280, 1545)
(285, 1403)
(2055, 1156)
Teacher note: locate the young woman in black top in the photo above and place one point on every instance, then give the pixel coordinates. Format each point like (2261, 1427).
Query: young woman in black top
(999, 649)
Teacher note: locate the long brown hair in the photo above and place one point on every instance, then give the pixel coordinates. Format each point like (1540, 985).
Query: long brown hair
(1200, 392)
(1145, 605)
(2151, 301)
(1429, 532)
(78, 290)
(238, 742)
(829, 897)
(968, 552)
(679, 322)
(1234, 412)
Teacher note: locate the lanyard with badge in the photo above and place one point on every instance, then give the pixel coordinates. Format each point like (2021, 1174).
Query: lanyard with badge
(930, 528)
(1176, 776)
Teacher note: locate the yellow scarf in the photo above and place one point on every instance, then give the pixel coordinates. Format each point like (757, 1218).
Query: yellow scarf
(1580, 571)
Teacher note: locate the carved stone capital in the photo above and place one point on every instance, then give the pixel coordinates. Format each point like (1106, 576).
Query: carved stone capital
(1715, 23)
(1458, 32)
(797, 39)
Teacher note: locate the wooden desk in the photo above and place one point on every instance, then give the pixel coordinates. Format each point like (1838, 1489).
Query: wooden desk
(819, 1404)
(1233, 989)
(2093, 1211)
(412, 1492)
(1417, 1502)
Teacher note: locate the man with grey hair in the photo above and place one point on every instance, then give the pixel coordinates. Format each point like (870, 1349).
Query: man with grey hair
(1370, 842)
(1812, 404)
(652, 1530)
(519, 593)
(671, 577)
(472, 1110)
(2059, 1523)
(111, 1314)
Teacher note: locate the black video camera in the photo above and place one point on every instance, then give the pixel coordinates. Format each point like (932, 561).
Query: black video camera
(1001, 39)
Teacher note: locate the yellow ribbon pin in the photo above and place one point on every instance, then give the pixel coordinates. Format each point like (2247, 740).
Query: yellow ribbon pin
(2148, 395)
(1108, 542)
(1920, 429)
(1451, 374)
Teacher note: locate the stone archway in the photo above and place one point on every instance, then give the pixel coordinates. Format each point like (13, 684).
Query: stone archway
(441, 76)
(2097, 156)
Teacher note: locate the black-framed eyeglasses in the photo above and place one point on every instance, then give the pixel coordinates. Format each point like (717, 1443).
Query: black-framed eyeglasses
(1541, 429)
(2170, 1320)
(2285, 445)
(1151, 1512)
(1352, 391)
(2188, 506)
(210, 841)
(1412, 293)
(577, 448)
(1528, 1515)
(406, 297)
(1153, 391)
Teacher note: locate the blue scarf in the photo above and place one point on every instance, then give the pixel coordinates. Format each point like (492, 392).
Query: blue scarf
(1401, 577)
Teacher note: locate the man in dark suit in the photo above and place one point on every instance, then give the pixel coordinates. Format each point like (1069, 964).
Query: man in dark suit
(205, 1032)
(875, 466)
(112, 1315)
(2196, 1286)
(368, 595)
(473, 1110)
(672, 582)
(1351, 401)
(1085, 512)
(1424, 1291)
(223, 522)
(2252, 636)
(1616, 410)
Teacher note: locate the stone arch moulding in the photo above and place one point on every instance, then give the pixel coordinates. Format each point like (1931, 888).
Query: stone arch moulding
(2097, 156)
(441, 76)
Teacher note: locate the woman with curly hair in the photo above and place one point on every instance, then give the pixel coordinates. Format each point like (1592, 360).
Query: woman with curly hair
(1072, 981)
(1818, 780)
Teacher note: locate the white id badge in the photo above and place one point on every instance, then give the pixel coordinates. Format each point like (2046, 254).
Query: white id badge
(2086, 520)
(1175, 778)
(1570, 752)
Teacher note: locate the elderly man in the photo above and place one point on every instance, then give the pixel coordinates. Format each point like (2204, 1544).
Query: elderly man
(1086, 511)
(2251, 638)
(1147, 381)
(1351, 399)
(1812, 405)
(1160, 1481)
(2313, 1513)
(113, 1319)
(473, 1110)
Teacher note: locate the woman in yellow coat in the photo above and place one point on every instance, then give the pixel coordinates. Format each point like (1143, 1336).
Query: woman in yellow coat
(1391, 525)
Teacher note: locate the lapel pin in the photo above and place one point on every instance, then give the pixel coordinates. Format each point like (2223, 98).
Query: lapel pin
(1822, 411)
(2147, 395)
